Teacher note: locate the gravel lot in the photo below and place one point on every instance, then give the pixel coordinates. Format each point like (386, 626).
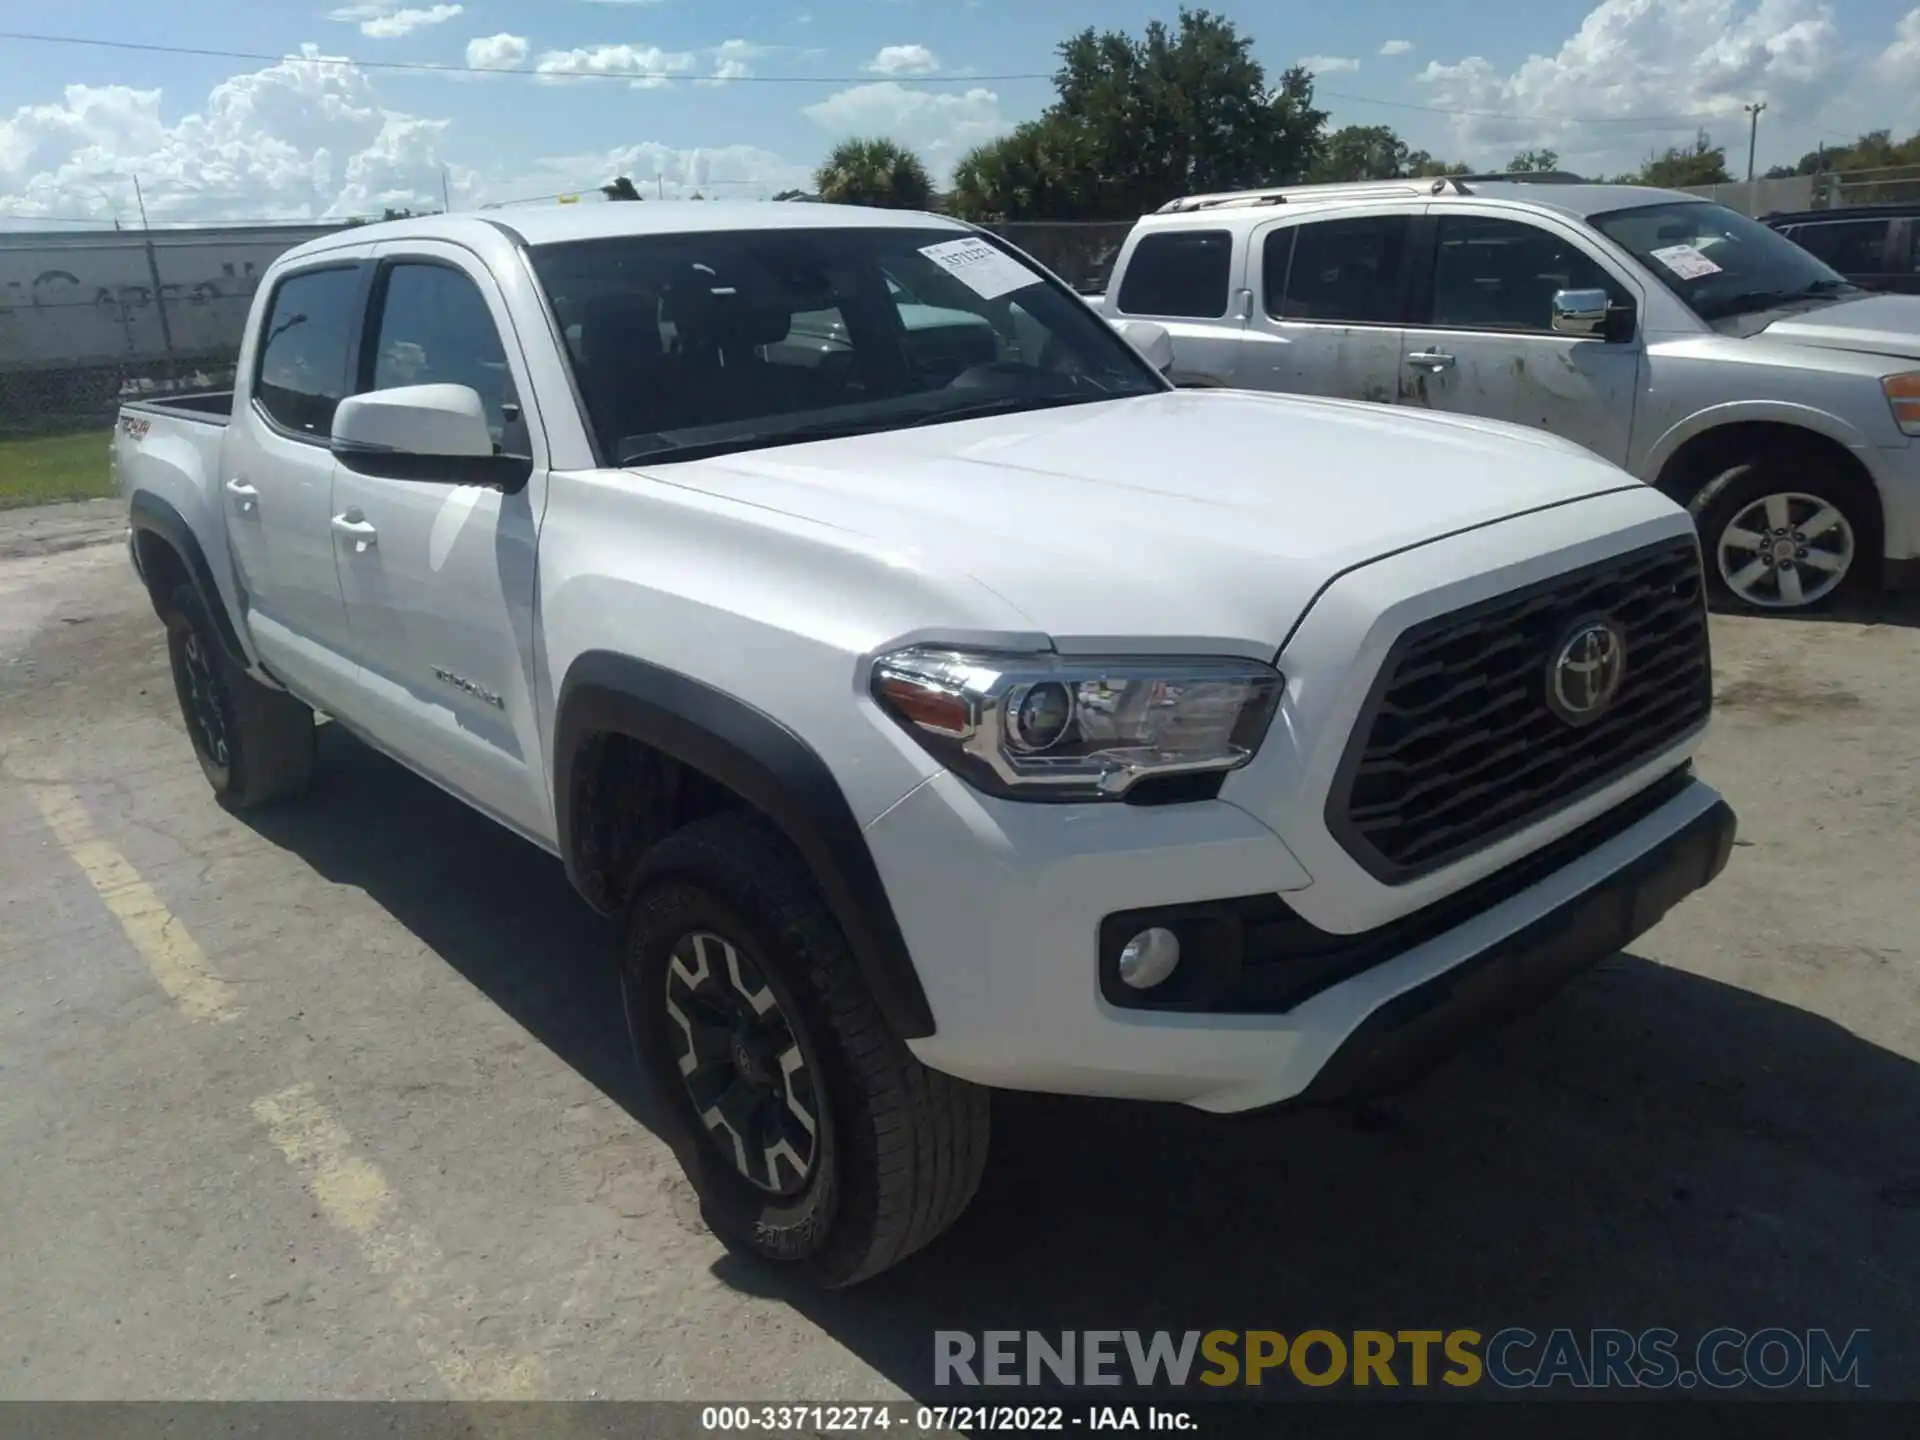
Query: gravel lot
(355, 1118)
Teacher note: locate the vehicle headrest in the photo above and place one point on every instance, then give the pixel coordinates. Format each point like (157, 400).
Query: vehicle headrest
(708, 309)
(621, 328)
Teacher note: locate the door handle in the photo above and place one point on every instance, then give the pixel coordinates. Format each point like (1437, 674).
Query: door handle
(246, 499)
(357, 528)
(1434, 360)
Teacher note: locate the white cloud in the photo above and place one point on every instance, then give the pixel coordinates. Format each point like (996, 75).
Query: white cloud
(385, 21)
(303, 138)
(736, 172)
(904, 60)
(1669, 66)
(648, 64)
(730, 60)
(941, 127)
(1397, 47)
(1899, 63)
(1329, 64)
(497, 52)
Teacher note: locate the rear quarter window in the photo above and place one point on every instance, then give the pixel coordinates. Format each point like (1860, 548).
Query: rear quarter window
(1181, 274)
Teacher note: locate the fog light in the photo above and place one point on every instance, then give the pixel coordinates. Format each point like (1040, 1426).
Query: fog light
(1149, 957)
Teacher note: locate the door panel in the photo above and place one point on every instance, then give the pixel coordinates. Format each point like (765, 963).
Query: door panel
(277, 485)
(439, 577)
(1327, 306)
(1485, 345)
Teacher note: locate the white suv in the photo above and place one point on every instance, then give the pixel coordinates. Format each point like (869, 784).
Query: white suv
(937, 698)
(1697, 348)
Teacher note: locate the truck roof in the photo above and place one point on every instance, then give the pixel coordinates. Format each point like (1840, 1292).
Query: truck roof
(556, 224)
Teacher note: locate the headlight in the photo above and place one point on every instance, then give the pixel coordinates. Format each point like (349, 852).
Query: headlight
(1050, 727)
(1903, 394)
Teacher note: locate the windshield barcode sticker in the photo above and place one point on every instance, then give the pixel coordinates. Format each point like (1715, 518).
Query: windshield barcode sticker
(1685, 261)
(987, 271)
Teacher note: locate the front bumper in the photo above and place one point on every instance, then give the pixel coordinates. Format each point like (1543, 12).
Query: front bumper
(1002, 906)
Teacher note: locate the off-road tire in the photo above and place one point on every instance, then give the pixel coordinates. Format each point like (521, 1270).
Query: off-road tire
(268, 735)
(899, 1149)
(1733, 494)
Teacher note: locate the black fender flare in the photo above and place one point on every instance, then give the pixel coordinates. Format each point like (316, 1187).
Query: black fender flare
(768, 766)
(149, 513)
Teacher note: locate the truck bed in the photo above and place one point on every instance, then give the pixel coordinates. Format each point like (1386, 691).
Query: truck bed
(212, 407)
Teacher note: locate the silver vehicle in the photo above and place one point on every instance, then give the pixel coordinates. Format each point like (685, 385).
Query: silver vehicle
(1699, 349)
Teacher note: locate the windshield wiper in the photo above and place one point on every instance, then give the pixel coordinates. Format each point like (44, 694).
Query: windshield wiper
(1755, 300)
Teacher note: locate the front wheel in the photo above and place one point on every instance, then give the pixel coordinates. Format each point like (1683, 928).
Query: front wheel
(811, 1134)
(1784, 536)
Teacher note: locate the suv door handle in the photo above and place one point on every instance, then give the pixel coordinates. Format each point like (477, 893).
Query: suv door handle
(1434, 360)
(357, 528)
(246, 499)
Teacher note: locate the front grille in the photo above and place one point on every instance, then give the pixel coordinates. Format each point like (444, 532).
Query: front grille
(1457, 746)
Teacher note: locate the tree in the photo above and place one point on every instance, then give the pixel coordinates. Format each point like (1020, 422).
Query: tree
(1534, 162)
(792, 195)
(874, 172)
(1137, 122)
(1702, 163)
(1375, 152)
(620, 188)
(1362, 152)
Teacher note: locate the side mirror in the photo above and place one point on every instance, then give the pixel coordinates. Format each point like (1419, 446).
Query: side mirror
(423, 432)
(1151, 340)
(1579, 312)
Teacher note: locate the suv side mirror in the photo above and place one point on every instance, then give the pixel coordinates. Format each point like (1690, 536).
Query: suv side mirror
(1579, 312)
(1150, 340)
(423, 432)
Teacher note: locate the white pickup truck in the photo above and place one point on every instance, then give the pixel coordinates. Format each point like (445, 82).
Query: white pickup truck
(931, 720)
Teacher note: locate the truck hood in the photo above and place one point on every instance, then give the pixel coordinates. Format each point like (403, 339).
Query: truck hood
(1876, 324)
(1204, 519)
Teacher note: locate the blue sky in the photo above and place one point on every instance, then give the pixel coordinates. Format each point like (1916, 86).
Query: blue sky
(1602, 81)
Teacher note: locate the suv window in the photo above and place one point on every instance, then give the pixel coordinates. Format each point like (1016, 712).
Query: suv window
(1344, 271)
(303, 369)
(1493, 274)
(1849, 246)
(1182, 274)
(434, 328)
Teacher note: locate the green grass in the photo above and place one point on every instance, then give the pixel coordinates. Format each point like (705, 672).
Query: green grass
(45, 468)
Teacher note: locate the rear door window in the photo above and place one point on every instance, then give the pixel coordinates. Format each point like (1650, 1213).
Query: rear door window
(305, 349)
(1345, 272)
(1180, 274)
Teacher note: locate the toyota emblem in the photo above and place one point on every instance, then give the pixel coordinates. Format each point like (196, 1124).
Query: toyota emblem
(1587, 668)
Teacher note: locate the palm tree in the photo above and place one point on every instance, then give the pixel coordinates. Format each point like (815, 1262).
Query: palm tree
(874, 172)
(620, 188)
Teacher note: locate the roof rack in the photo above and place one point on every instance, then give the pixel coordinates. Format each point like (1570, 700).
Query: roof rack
(1281, 194)
(1533, 177)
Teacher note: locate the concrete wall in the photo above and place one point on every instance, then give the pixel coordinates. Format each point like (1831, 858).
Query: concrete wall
(1761, 197)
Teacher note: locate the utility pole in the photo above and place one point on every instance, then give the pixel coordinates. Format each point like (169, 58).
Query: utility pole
(446, 192)
(1753, 134)
(153, 267)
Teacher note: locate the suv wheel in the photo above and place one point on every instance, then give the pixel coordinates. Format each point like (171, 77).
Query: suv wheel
(811, 1134)
(254, 744)
(1776, 535)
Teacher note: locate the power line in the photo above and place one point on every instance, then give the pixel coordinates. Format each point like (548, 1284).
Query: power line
(425, 68)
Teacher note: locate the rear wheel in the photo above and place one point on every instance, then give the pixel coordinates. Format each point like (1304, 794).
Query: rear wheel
(811, 1134)
(254, 744)
(1784, 535)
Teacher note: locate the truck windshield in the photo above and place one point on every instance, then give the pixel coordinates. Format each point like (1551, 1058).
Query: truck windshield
(687, 345)
(1722, 265)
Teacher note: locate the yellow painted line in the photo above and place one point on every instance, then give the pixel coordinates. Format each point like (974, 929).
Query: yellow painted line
(161, 940)
(355, 1198)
